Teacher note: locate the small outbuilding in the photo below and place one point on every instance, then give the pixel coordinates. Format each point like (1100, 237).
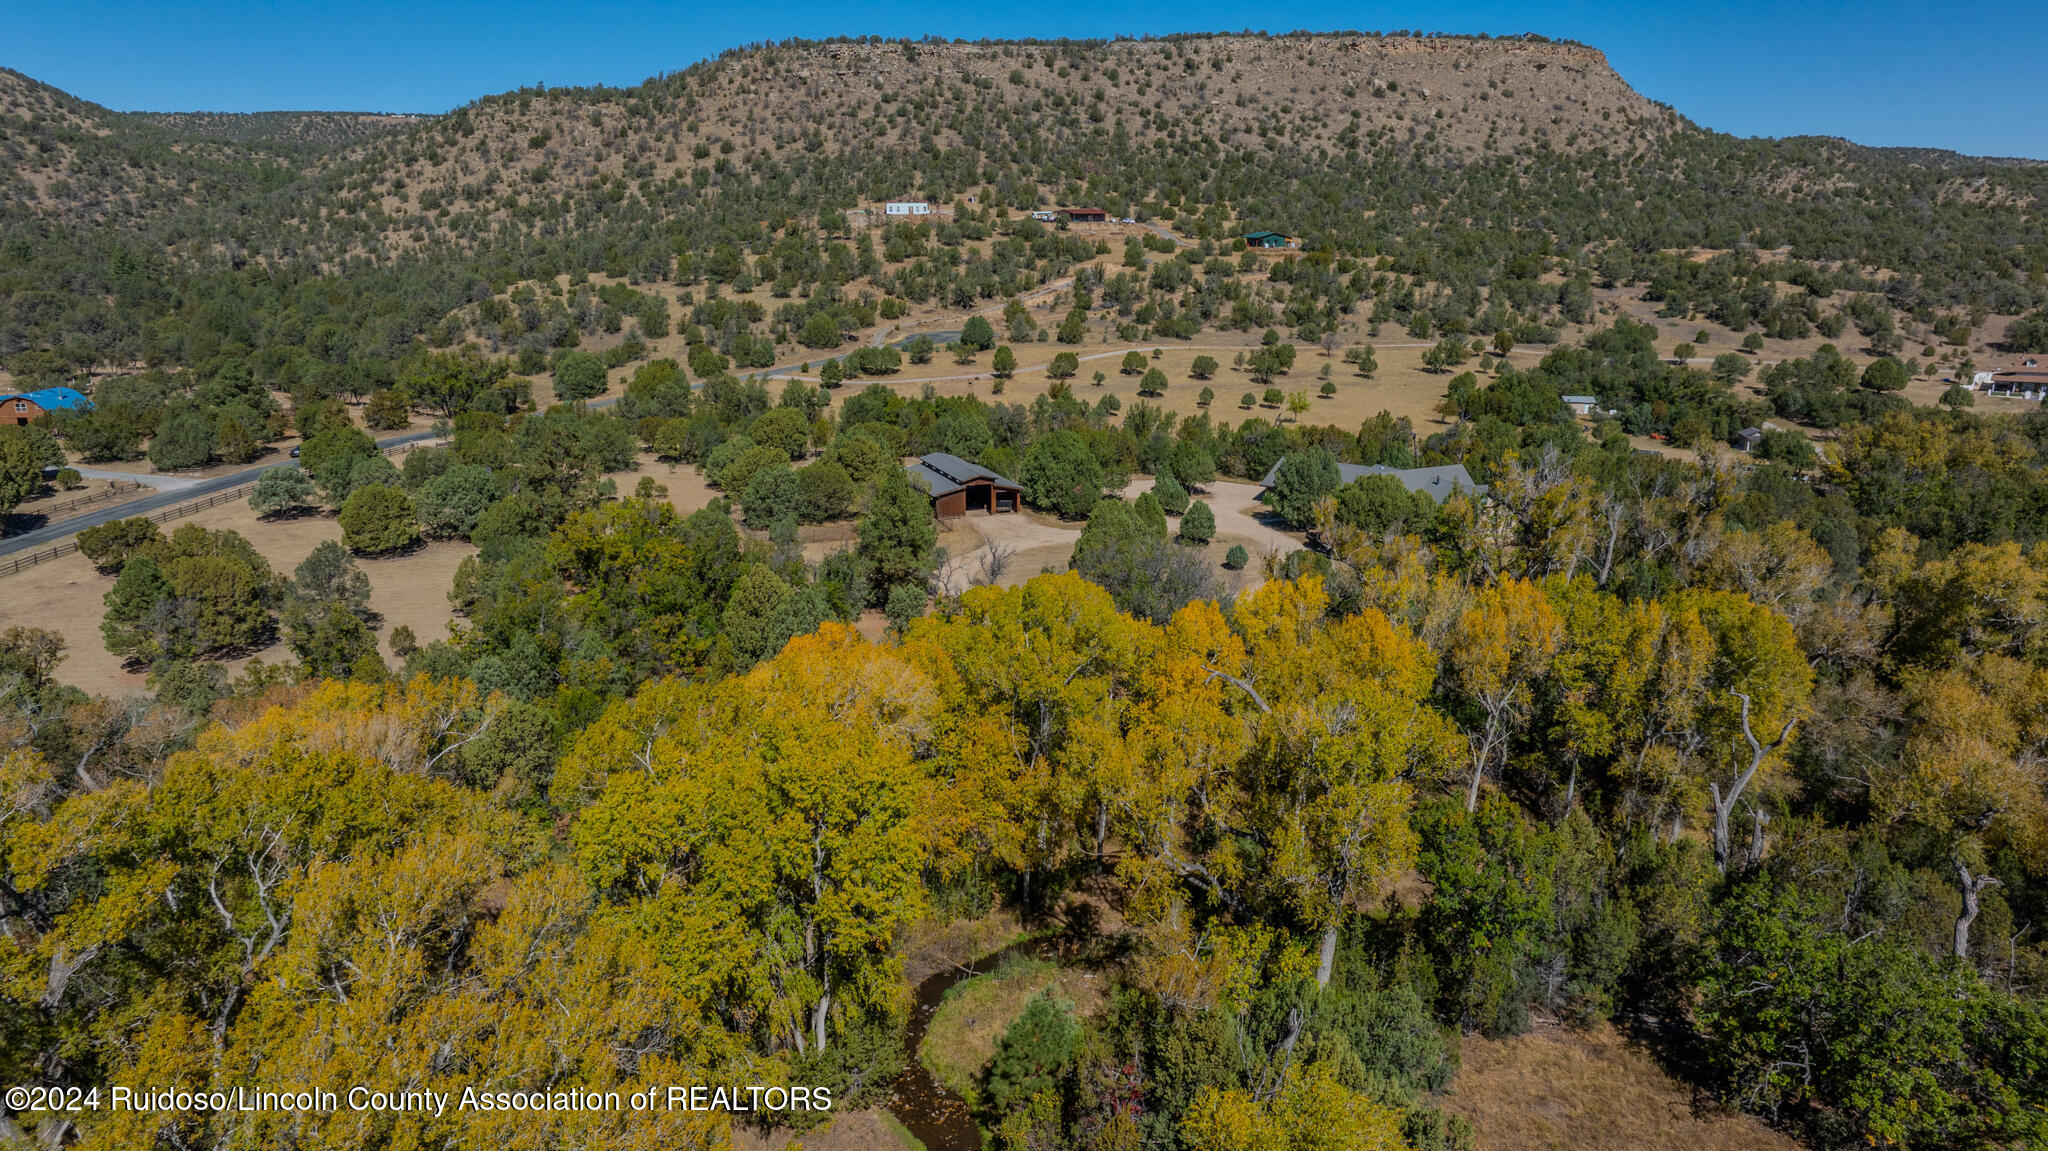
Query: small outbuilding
(1748, 438)
(1581, 405)
(1085, 215)
(958, 487)
(22, 408)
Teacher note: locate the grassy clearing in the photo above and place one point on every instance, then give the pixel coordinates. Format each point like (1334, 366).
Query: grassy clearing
(964, 1031)
(1592, 1091)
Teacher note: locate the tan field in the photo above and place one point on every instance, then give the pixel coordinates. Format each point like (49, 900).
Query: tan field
(1560, 1090)
(67, 595)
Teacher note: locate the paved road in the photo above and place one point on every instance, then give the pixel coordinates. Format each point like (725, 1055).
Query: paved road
(197, 489)
(146, 479)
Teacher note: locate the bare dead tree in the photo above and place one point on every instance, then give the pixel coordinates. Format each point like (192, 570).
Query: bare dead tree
(267, 865)
(1724, 804)
(1973, 886)
(995, 561)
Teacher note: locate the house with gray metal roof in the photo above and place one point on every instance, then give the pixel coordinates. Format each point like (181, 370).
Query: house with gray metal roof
(1437, 483)
(958, 487)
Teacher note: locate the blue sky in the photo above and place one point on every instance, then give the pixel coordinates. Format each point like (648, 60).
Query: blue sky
(1876, 71)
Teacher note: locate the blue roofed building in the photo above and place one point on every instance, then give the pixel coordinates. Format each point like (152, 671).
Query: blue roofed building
(23, 407)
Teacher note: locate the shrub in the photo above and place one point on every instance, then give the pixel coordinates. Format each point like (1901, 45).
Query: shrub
(1198, 526)
(1236, 557)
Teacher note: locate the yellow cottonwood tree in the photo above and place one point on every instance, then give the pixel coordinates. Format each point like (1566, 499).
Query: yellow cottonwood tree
(764, 831)
(1313, 1112)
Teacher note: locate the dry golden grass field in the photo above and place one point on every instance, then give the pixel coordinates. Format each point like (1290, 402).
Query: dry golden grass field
(67, 595)
(1560, 1090)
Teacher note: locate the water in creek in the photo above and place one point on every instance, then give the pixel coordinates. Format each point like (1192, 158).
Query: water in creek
(938, 1118)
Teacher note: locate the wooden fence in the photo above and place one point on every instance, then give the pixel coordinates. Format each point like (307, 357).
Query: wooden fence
(113, 490)
(13, 564)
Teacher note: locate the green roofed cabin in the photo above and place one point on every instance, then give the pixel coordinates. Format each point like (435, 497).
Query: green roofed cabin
(1269, 240)
(958, 487)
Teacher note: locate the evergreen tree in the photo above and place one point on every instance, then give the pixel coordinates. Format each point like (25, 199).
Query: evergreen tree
(1172, 497)
(1032, 1054)
(1061, 474)
(1304, 478)
(579, 376)
(898, 536)
(378, 518)
(748, 622)
(1198, 524)
(978, 334)
(283, 490)
(184, 439)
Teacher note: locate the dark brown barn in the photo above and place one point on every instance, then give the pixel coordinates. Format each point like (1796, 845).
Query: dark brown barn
(1085, 215)
(958, 487)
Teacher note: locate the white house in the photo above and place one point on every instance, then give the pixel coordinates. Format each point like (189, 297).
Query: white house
(1981, 379)
(906, 208)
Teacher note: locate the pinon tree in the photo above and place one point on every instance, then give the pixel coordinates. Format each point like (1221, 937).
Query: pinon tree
(1198, 525)
(579, 376)
(898, 536)
(1061, 474)
(1304, 478)
(978, 334)
(378, 518)
(1173, 498)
